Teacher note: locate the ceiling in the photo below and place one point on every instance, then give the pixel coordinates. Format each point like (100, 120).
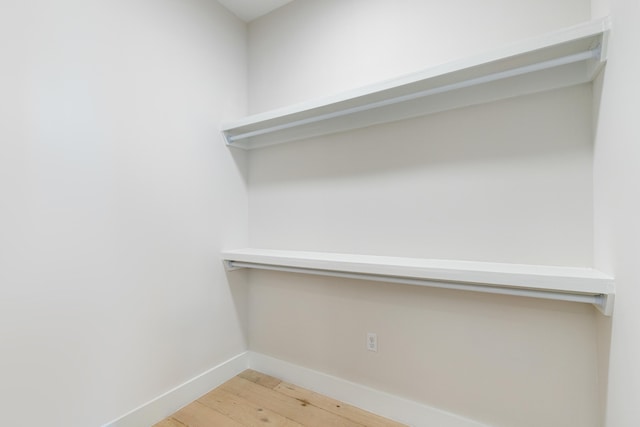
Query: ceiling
(248, 10)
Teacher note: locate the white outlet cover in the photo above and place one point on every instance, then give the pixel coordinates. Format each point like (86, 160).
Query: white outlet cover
(372, 342)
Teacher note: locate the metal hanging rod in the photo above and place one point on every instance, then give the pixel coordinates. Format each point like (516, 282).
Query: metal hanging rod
(599, 300)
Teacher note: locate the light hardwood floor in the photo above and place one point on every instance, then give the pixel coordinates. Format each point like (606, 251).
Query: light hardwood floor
(255, 399)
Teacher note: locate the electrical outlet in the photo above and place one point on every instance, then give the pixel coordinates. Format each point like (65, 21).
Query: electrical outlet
(372, 342)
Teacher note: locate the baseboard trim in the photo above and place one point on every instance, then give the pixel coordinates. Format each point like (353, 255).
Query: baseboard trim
(384, 404)
(375, 401)
(166, 404)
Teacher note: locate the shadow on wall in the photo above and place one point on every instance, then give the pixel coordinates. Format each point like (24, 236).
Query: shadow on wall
(239, 288)
(543, 125)
(603, 324)
(499, 359)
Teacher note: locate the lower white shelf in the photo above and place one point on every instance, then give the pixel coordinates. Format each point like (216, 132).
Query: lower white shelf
(584, 285)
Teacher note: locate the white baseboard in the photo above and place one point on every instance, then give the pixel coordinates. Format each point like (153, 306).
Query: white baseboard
(155, 410)
(375, 401)
(378, 402)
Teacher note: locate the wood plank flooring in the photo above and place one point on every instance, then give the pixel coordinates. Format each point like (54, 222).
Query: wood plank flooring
(254, 399)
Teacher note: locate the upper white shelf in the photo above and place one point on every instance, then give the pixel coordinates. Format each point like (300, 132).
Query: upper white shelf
(559, 59)
(550, 282)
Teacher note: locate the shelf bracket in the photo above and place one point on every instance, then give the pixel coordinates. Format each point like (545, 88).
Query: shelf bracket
(227, 138)
(605, 304)
(229, 265)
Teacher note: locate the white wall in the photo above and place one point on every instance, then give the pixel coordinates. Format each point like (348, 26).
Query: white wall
(117, 194)
(509, 181)
(315, 48)
(617, 206)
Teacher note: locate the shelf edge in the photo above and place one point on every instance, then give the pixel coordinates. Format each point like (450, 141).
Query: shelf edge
(300, 113)
(599, 292)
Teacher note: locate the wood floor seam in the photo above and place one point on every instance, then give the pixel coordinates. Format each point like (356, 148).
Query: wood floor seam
(254, 399)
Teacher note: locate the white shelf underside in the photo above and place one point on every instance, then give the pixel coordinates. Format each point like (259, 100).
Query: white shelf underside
(560, 59)
(582, 285)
